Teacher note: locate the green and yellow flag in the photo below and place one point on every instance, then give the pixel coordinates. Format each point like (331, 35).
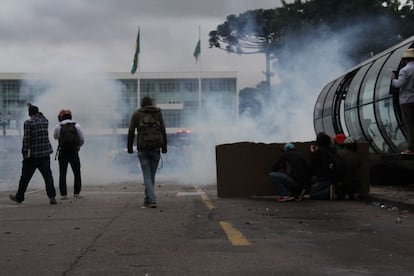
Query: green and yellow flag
(136, 55)
(197, 50)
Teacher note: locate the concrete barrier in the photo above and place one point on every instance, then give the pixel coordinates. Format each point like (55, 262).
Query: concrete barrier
(243, 168)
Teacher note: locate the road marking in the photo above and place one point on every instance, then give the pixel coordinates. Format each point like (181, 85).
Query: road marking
(235, 236)
(205, 199)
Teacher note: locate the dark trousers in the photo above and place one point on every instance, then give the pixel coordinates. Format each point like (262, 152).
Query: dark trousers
(71, 158)
(28, 168)
(407, 112)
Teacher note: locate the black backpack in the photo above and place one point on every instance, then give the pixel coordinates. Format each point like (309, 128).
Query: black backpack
(149, 131)
(68, 138)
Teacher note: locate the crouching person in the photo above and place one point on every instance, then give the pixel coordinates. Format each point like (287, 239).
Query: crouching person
(289, 175)
(325, 167)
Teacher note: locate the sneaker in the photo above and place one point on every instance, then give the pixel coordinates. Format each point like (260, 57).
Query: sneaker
(285, 198)
(13, 197)
(299, 197)
(64, 197)
(52, 201)
(145, 205)
(152, 205)
(78, 196)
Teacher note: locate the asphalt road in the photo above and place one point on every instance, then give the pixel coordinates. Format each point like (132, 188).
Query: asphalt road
(192, 232)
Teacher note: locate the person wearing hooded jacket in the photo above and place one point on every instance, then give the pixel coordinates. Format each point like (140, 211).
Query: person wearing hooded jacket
(290, 174)
(148, 157)
(405, 82)
(67, 157)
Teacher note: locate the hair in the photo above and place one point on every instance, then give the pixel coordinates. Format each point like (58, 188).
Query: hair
(64, 114)
(33, 110)
(323, 139)
(146, 101)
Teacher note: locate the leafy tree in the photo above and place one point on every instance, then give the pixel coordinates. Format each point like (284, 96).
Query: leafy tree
(267, 31)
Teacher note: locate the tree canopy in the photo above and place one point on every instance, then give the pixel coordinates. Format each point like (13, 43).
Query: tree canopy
(267, 31)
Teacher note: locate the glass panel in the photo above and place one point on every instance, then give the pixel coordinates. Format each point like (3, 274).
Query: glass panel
(329, 101)
(328, 126)
(353, 126)
(368, 86)
(353, 91)
(318, 126)
(389, 125)
(383, 85)
(371, 129)
(320, 101)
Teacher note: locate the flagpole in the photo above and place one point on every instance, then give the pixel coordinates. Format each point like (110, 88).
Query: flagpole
(139, 77)
(199, 76)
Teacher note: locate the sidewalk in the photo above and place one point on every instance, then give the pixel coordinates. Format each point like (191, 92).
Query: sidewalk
(401, 197)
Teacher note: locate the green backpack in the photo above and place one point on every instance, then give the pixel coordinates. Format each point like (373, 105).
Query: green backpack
(149, 131)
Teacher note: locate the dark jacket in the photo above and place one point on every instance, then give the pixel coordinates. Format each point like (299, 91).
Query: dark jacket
(135, 124)
(324, 164)
(293, 164)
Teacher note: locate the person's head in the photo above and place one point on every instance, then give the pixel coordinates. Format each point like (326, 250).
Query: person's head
(32, 109)
(339, 139)
(350, 143)
(289, 147)
(64, 114)
(323, 140)
(146, 101)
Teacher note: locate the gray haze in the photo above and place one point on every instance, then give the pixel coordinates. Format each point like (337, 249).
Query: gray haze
(41, 35)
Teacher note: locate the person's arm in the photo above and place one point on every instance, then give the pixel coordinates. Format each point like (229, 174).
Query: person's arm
(80, 134)
(164, 134)
(56, 132)
(131, 131)
(402, 79)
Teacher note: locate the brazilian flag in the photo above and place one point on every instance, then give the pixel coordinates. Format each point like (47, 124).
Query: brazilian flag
(135, 63)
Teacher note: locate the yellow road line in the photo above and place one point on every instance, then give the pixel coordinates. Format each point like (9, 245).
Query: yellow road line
(205, 199)
(235, 236)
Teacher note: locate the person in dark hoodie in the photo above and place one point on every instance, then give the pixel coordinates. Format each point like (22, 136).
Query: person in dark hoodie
(151, 137)
(325, 168)
(36, 152)
(290, 175)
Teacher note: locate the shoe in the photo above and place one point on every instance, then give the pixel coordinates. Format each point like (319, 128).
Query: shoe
(285, 198)
(145, 205)
(64, 197)
(299, 197)
(13, 197)
(152, 205)
(407, 152)
(52, 201)
(78, 196)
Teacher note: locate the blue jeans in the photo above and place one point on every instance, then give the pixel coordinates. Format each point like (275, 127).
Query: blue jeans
(284, 184)
(149, 160)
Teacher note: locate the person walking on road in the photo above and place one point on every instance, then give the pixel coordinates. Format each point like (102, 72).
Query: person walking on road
(151, 137)
(70, 136)
(405, 82)
(36, 152)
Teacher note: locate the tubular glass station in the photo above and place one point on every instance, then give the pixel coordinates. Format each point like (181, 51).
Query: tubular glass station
(361, 103)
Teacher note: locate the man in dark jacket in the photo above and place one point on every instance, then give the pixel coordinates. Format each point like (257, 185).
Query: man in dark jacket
(152, 136)
(36, 152)
(290, 174)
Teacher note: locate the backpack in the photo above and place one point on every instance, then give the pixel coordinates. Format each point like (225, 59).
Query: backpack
(68, 138)
(149, 132)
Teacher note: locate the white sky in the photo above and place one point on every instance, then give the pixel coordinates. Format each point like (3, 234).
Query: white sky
(38, 35)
